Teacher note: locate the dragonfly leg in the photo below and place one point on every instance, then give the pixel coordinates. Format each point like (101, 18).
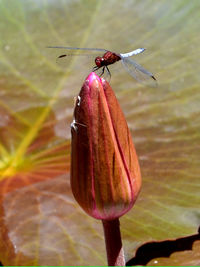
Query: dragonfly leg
(102, 71)
(95, 68)
(108, 71)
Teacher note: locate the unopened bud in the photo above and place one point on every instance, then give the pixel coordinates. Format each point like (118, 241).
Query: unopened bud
(105, 173)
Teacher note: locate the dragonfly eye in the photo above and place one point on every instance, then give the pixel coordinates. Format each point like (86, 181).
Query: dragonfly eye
(99, 61)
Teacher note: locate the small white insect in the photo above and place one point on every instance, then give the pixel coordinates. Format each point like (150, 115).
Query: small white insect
(74, 125)
(78, 100)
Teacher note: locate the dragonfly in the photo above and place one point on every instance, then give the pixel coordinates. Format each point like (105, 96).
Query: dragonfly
(108, 58)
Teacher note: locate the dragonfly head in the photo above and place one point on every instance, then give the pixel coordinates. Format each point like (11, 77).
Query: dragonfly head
(99, 61)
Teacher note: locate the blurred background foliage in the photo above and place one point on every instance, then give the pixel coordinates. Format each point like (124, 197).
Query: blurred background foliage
(40, 223)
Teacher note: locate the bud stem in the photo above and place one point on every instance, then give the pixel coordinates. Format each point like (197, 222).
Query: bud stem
(115, 252)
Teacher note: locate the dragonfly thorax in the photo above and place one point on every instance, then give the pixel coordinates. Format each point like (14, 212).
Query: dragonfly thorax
(107, 59)
(99, 61)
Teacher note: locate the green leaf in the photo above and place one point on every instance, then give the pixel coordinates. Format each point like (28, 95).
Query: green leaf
(40, 222)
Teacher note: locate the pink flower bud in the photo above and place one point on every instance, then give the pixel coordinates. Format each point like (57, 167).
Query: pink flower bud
(105, 173)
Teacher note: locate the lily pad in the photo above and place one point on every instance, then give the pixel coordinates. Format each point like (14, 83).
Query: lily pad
(40, 222)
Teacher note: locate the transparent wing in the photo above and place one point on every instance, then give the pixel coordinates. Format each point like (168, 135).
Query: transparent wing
(139, 73)
(66, 57)
(65, 54)
(78, 48)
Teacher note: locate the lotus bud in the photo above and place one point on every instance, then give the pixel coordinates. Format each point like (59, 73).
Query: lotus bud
(105, 173)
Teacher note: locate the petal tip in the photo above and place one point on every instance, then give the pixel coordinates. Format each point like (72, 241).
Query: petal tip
(92, 77)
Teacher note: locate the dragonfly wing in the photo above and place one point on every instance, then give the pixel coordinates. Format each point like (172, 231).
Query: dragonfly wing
(68, 52)
(79, 55)
(78, 48)
(64, 59)
(139, 73)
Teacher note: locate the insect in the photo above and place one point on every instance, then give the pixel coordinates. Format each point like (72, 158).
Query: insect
(135, 70)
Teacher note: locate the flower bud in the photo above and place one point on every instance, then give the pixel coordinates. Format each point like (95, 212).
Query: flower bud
(105, 173)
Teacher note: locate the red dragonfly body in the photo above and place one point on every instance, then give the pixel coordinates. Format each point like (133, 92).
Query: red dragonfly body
(108, 58)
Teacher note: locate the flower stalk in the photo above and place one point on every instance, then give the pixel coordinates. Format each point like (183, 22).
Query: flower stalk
(114, 249)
